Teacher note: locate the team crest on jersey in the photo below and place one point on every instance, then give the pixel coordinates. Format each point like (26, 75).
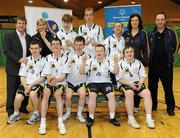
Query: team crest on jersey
(30, 67)
(84, 33)
(114, 45)
(62, 38)
(126, 70)
(94, 68)
(53, 66)
(73, 61)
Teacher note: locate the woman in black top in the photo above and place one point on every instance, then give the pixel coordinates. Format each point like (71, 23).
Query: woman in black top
(136, 37)
(43, 37)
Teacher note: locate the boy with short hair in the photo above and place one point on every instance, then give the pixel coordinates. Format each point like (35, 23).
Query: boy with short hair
(31, 83)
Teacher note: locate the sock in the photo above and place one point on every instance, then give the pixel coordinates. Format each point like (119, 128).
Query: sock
(60, 120)
(36, 112)
(43, 122)
(112, 115)
(91, 116)
(148, 116)
(68, 110)
(16, 113)
(79, 110)
(136, 108)
(130, 117)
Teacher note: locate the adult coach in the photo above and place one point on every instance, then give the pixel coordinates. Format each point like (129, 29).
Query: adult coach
(16, 46)
(162, 44)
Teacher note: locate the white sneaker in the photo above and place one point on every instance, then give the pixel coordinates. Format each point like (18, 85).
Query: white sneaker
(42, 130)
(66, 116)
(150, 123)
(62, 129)
(13, 118)
(133, 123)
(135, 110)
(81, 118)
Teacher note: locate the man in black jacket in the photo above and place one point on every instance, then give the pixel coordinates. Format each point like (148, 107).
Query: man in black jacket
(16, 49)
(162, 45)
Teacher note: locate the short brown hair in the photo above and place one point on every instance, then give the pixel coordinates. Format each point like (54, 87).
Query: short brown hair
(127, 47)
(21, 18)
(67, 18)
(163, 13)
(100, 45)
(116, 23)
(79, 39)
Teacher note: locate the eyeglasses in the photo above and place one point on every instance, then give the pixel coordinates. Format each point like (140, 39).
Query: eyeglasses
(88, 14)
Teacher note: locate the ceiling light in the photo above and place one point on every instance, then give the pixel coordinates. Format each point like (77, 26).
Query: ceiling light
(66, 0)
(30, 1)
(99, 2)
(133, 2)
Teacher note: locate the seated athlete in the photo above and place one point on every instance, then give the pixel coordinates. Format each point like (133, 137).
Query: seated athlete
(98, 69)
(132, 75)
(55, 70)
(31, 83)
(76, 81)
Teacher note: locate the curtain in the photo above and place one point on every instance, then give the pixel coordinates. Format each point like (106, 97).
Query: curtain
(2, 34)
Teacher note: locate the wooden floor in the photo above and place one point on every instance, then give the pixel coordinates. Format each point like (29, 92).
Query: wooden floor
(166, 127)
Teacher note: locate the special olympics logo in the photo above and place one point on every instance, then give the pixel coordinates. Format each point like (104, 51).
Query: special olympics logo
(45, 15)
(122, 12)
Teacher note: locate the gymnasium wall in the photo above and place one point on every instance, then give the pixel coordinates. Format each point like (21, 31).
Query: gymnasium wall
(149, 9)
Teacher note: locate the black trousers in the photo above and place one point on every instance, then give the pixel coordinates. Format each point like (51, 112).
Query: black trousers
(13, 83)
(165, 73)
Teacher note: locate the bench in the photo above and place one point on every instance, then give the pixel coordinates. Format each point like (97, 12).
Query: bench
(102, 103)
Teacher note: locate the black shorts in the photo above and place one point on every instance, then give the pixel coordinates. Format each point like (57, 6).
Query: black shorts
(54, 88)
(75, 89)
(125, 87)
(36, 88)
(104, 88)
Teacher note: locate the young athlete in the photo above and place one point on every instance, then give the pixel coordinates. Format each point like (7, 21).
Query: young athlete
(31, 83)
(55, 70)
(66, 34)
(76, 81)
(92, 32)
(132, 75)
(99, 69)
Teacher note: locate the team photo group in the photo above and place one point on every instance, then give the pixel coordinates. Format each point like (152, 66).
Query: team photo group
(84, 62)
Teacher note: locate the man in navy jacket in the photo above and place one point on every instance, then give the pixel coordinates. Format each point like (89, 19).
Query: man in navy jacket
(162, 45)
(16, 49)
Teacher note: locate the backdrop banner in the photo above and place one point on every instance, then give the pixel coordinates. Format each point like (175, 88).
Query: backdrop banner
(51, 15)
(118, 14)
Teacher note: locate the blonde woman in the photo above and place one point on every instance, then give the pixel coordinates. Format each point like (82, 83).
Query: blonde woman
(43, 37)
